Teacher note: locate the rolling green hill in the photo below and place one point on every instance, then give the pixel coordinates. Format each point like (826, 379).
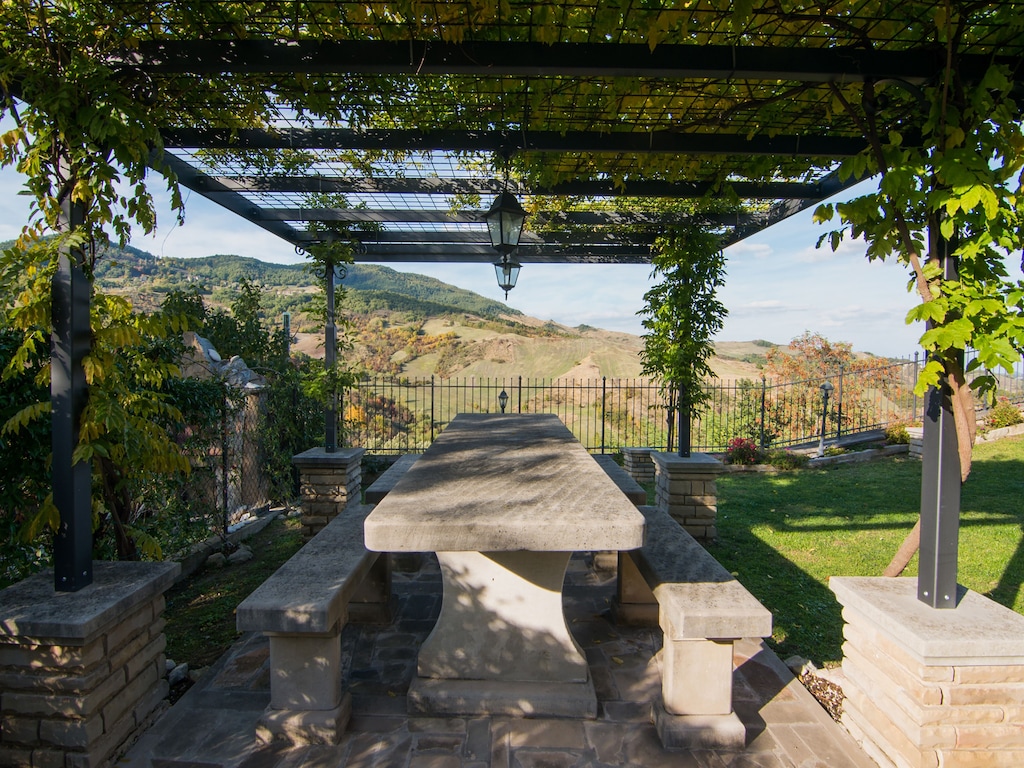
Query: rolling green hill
(403, 324)
(372, 287)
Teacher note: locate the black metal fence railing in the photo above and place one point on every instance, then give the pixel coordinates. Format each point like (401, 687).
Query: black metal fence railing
(392, 415)
(402, 415)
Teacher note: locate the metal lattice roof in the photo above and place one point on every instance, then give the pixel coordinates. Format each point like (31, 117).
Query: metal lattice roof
(395, 122)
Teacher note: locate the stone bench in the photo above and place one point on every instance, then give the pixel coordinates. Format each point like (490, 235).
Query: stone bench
(702, 609)
(302, 608)
(633, 490)
(383, 484)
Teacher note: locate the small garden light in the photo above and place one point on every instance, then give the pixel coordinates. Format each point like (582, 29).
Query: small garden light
(826, 392)
(503, 400)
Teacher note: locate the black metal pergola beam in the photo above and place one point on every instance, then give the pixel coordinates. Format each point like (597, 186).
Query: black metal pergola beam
(427, 185)
(232, 201)
(452, 140)
(480, 236)
(527, 59)
(484, 254)
(421, 216)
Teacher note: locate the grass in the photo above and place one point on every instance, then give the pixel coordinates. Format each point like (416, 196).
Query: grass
(201, 610)
(783, 535)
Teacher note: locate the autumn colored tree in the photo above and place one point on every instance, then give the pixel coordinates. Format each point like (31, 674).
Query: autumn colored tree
(808, 362)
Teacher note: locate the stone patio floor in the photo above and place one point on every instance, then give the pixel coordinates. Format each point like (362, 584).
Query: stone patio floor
(212, 726)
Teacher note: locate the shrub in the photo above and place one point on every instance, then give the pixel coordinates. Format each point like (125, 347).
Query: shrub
(742, 450)
(834, 450)
(1004, 414)
(782, 458)
(896, 434)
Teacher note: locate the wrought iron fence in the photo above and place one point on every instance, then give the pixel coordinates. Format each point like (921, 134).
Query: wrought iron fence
(391, 415)
(394, 415)
(402, 415)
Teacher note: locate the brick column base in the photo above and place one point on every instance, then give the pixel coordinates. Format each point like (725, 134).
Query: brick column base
(637, 462)
(328, 483)
(81, 673)
(686, 488)
(931, 687)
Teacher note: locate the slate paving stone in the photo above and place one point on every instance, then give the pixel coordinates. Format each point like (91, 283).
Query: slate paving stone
(213, 725)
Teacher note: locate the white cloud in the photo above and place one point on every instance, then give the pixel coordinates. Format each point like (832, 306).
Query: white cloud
(769, 304)
(746, 249)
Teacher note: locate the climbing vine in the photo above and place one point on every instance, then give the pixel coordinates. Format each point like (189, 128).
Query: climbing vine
(951, 181)
(683, 313)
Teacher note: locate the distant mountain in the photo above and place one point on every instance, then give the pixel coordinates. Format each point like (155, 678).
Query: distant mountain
(381, 287)
(404, 323)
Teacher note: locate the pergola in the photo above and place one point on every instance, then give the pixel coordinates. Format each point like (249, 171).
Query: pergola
(394, 125)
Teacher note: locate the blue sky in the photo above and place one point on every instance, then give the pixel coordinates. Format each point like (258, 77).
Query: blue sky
(778, 284)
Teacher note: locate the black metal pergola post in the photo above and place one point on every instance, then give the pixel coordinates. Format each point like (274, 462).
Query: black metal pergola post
(70, 343)
(940, 483)
(330, 357)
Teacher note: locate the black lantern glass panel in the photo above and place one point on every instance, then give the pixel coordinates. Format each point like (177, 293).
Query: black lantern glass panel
(505, 222)
(507, 273)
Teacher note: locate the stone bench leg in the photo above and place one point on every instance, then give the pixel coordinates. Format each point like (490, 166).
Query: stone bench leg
(635, 604)
(307, 704)
(696, 686)
(372, 601)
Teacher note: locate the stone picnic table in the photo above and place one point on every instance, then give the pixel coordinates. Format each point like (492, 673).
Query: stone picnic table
(504, 501)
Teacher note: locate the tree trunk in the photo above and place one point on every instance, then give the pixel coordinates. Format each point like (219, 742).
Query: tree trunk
(905, 553)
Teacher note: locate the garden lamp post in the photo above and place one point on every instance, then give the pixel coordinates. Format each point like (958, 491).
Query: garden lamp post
(503, 400)
(286, 326)
(826, 392)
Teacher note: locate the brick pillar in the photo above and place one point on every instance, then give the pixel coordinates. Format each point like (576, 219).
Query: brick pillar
(81, 673)
(916, 442)
(637, 462)
(928, 686)
(685, 487)
(328, 482)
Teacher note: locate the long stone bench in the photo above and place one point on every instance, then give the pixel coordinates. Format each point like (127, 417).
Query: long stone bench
(633, 490)
(383, 484)
(302, 608)
(702, 609)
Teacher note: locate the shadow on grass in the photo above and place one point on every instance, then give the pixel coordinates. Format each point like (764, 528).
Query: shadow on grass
(783, 535)
(806, 619)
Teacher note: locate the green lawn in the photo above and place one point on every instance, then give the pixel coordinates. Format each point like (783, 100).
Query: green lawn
(783, 535)
(201, 610)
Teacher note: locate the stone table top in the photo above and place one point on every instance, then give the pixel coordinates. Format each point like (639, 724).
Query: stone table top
(500, 483)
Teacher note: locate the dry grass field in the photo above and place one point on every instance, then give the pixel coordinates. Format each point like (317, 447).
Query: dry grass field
(569, 353)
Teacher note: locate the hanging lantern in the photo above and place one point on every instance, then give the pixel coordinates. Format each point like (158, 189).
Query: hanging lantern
(505, 220)
(507, 273)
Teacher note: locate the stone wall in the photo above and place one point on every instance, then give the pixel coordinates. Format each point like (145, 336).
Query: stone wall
(931, 687)
(328, 483)
(81, 673)
(686, 488)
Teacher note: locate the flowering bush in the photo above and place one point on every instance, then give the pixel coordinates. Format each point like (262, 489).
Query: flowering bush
(1004, 414)
(742, 450)
(897, 434)
(783, 458)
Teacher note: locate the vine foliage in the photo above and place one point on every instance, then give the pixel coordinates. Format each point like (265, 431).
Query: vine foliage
(683, 313)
